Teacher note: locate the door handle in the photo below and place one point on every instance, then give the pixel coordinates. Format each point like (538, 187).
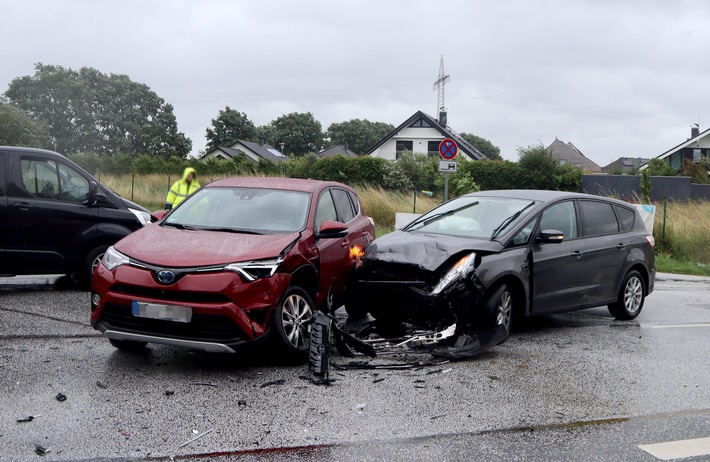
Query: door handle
(578, 253)
(24, 206)
(621, 246)
(345, 243)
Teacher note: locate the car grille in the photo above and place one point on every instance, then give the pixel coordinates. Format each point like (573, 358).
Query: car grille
(170, 295)
(377, 271)
(202, 327)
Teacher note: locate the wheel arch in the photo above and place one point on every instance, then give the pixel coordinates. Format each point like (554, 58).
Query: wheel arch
(520, 299)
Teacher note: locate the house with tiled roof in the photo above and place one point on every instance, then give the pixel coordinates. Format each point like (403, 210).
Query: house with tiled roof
(337, 150)
(690, 150)
(568, 154)
(249, 149)
(421, 133)
(625, 164)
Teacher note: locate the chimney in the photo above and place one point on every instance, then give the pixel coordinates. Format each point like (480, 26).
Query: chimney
(261, 141)
(694, 130)
(442, 118)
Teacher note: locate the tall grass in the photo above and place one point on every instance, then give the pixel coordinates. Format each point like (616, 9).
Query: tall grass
(380, 204)
(687, 231)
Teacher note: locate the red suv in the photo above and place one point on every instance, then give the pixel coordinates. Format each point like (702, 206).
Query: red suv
(240, 258)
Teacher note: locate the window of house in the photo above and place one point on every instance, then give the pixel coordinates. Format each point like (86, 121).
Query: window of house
(563, 161)
(433, 148)
(696, 155)
(599, 218)
(420, 123)
(402, 146)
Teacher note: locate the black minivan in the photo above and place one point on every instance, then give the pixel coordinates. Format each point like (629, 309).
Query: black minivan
(55, 218)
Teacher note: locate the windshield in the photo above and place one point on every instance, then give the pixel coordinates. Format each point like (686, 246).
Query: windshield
(476, 217)
(243, 210)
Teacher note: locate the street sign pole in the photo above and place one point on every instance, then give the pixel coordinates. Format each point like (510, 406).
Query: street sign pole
(446, 186)
(448, 150)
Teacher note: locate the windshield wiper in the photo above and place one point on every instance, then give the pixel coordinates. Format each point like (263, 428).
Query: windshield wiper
(233, 230)
(437, 216)
(509, 220)
(180, 226)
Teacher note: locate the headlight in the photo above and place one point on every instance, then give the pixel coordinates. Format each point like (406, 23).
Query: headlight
(143, 217)
(253, 270)
(461, 268)
(113, 259)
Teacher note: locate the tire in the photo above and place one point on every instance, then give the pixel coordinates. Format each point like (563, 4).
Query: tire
(631, 297)
(290, 321)
(91, 261)
(127, 345)
(499, 307)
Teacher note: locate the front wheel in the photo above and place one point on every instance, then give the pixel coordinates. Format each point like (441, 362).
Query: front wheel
(91, 261)
(291, 320)
(498, 309)
(631, 297)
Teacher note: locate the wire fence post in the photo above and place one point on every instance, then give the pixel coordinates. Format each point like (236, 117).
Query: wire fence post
(133, 183)
(663, 232)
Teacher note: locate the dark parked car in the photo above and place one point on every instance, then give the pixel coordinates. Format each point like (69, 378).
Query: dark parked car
(483, 259)
(240, 258)
(55, 218)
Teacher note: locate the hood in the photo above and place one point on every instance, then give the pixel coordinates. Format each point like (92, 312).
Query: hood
(427, 251)
(132, 205)
(187, 171)
(172, 247)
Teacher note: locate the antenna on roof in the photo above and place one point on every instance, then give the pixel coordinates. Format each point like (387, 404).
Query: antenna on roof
(439, 85)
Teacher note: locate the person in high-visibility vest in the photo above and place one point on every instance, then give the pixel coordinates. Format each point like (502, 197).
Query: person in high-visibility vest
(182, 188)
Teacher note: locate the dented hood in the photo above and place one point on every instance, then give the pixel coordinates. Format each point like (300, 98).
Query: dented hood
(427, 251)
(172, 247)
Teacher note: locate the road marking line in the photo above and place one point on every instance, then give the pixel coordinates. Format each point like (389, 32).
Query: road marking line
(680, 449)
(678, 326)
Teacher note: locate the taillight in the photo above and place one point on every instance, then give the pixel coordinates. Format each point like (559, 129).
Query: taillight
(651, 241)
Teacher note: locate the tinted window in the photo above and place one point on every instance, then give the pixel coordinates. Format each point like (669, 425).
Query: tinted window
(561, 217)
(599, 218)
(325, 210)
(73, 187)
(40, 178)
(343, 205)
(523, 236)
(356, 202)
(2, 174)
(626, 218)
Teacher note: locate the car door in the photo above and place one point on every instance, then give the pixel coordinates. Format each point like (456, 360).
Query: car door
(47, 215)
(607, 251)
(4, 226)
(559, 269)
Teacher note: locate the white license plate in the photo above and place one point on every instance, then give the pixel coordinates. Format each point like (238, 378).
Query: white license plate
(175, 313)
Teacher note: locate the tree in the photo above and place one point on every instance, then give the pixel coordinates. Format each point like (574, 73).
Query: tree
(230, 126)
(18, 129)
(300, 133)
(659, 167)
(87, 111)
(538, 167)
(486, 147)
(420, 169)
(358, 135)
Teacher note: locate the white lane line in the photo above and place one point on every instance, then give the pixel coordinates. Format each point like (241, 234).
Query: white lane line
(678, 326)
(680, 449)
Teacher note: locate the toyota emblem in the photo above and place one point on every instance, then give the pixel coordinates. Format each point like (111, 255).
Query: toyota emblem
(166, 276)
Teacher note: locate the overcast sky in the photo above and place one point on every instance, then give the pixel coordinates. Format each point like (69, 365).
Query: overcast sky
(615, 78)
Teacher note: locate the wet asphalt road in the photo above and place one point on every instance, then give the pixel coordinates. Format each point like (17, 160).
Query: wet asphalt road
(578, 386)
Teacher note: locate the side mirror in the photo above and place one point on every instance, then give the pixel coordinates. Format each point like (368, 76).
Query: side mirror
(332, 230)
(551, 236)
(157, 215)
(93, 190)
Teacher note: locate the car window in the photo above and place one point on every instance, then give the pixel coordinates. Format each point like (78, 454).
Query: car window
(342, 205)
(73, 186)
(39, 177)
(561, 217)
(325, 210)
(2, 174)
(598, 218)
(355, 201)
(626, 217)
(523, 236)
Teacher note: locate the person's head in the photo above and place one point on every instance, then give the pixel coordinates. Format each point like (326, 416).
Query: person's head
(189, 174)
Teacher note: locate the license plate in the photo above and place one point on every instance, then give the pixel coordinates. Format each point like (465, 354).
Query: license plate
(174, 313)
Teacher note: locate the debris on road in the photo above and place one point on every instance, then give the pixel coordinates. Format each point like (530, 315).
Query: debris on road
(204, 384)
(273, 382)
(378, 380)
(169, 392)
(29, 418)
(319, 349)
(101, 384)
(242, 404)
(61, 397)
(41, 450)
(195, 438)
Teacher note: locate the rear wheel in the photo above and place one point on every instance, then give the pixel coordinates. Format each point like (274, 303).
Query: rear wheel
(631, 297)
(127, 345)
(291, 320)
(91, 261)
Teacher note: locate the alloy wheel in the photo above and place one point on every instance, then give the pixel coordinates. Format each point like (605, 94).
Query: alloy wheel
(295, 314)
(633, 295)
(505, 310)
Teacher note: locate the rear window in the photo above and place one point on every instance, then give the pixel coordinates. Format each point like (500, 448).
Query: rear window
(626, 217)
(343, 205)
(599, 218)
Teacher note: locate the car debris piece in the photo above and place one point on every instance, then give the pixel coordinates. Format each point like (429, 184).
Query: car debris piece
(169, 392)
(273, 382)
(101, 384)
(242, 404)
(61, 397)
(205, 384)
(319, 350)
(195, 438)
(41, 450)
(29, 418)
(378, 380)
